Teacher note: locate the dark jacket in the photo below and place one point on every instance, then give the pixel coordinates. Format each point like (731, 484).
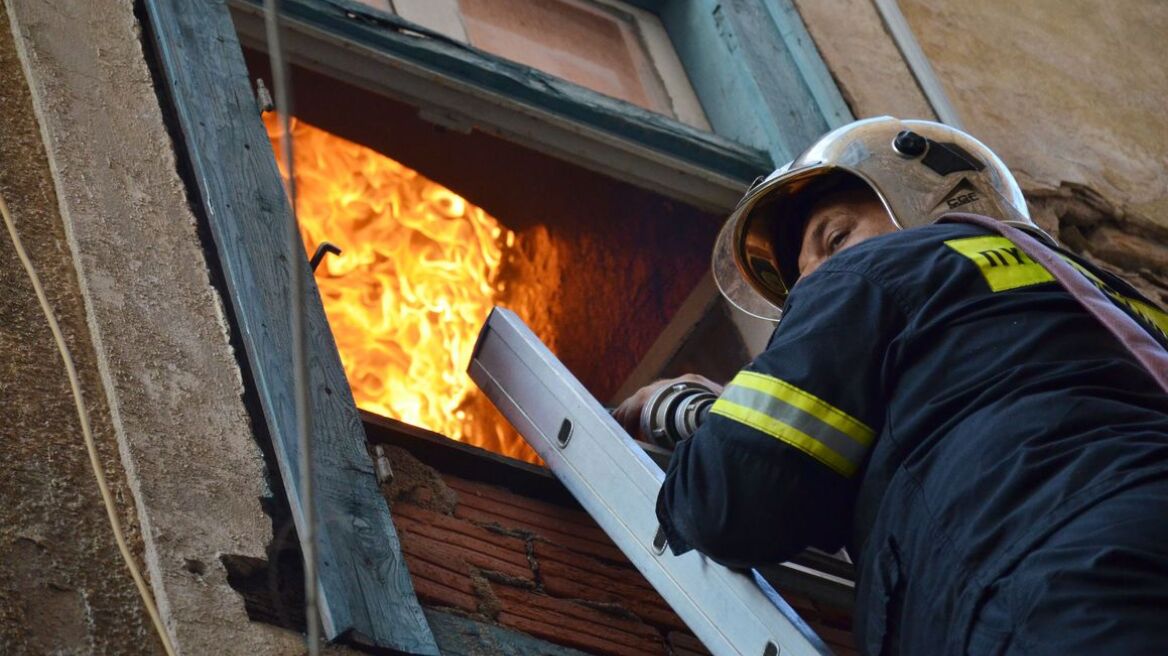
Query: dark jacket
(934, 401)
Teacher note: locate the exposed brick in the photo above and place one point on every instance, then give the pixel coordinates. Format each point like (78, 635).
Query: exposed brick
(625, 571)
(563, 580)
(565, 573)
(451, 555)
(432, 593)
(613, 588)
(573, 609)
(452, 523)
(579, 571)
(577, 638)
(462, 533)
(423, 569)
(536, 506)
(525, 511)
(606, 550)
(573, 624)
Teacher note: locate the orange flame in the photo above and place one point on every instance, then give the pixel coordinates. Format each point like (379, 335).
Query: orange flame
(416, 279)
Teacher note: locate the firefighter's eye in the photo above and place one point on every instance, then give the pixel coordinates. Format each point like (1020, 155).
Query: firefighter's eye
(836, 239)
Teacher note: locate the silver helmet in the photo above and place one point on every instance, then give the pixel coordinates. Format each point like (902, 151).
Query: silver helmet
(920, 170)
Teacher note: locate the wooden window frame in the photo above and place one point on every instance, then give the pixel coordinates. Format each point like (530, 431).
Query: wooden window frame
(764, 89)
(464, 88)
(444, 16)
(365, 593)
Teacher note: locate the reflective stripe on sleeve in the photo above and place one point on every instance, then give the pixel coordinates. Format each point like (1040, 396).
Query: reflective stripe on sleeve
(797, 418)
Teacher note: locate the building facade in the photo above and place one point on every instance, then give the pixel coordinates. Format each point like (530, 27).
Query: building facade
(607, 139)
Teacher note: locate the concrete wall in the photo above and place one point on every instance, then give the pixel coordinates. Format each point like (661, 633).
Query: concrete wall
(1069, 92)
(63, 588)
(91, 177)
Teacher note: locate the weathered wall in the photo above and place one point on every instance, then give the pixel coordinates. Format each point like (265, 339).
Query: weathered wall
(1069, 92)
(91, 176)
(63, 587)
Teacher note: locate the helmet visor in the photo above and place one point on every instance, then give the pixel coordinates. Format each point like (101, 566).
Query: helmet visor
(733, 284)
(756, 257)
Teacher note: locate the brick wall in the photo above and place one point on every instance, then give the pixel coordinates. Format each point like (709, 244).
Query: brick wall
(541, 568)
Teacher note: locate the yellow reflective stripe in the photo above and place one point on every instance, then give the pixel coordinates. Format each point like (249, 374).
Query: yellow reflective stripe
(785, 433)
(1084, 270)
(1006, 267)
(1153, 315)
(807, 402)
(1150, 314)
(1003, 264)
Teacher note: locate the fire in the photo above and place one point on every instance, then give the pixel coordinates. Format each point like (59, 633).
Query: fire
(418, 275)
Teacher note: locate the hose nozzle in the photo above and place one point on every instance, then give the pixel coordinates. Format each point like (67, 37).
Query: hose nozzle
(674, 413)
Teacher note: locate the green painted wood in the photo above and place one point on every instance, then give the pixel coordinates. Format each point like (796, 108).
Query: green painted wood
(789, 115)
(362, 26)
(812, 69)
(756, 72)
(365, 590)
(722, 84)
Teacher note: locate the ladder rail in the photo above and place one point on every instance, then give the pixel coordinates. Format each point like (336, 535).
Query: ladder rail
(617, 484)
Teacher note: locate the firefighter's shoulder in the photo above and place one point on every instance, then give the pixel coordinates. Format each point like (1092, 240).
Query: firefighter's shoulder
(907, 262)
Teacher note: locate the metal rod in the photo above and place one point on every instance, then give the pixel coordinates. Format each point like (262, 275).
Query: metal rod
(918, 62)
(323, 249)
(297, 273)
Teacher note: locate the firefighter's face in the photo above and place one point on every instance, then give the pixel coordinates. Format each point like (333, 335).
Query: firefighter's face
(839, 221)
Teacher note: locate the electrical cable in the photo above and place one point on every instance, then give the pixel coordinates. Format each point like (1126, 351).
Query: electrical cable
(83, 417)
(297, 272)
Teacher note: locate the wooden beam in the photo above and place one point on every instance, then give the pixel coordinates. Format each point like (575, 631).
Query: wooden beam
(806, 58)
(365, 591)
(468, 461)
(386, 54)
(789, 115)
(756, 71)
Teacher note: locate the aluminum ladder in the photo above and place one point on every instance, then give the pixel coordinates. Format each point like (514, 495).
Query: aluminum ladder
(617, 483)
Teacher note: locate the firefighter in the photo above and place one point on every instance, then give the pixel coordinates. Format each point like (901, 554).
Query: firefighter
(994, 459)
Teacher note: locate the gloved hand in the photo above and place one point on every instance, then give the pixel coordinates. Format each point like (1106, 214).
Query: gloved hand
(628, 413)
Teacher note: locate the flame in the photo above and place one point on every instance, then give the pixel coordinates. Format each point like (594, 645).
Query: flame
(417, 277)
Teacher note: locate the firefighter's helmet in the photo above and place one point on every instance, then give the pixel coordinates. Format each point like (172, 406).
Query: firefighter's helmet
(920, 170)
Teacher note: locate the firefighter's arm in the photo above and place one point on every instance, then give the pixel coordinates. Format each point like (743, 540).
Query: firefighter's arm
(628, 413)
(776, 465)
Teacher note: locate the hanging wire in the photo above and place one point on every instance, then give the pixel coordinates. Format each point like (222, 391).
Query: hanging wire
(297, 273)
(87, 432)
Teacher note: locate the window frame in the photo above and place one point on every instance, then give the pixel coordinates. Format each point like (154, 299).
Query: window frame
(756, 122)
(464, 88)
(444, 16)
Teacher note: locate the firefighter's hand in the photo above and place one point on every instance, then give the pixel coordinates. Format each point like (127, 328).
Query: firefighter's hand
(628, 413)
